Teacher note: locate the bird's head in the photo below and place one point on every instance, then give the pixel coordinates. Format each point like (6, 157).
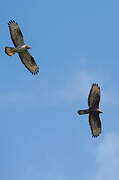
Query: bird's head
(99, 111)
(28, 47)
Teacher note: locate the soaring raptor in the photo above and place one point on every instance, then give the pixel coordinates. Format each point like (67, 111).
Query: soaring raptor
(20, 48)
(93, 110)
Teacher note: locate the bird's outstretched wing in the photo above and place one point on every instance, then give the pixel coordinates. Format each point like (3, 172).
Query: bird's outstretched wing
(95, 124)
(94, 96)
(16, 34)
(29, 62)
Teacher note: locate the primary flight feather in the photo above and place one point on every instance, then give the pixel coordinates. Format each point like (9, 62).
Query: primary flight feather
(20, 48)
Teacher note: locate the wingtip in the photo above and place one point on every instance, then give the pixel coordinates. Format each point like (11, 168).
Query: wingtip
(95, 136)
(35, 73)
(11, 22)
(95, 84)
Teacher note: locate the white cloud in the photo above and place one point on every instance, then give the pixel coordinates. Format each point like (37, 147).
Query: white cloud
(75, 86)
(107, 157)
(71, 87)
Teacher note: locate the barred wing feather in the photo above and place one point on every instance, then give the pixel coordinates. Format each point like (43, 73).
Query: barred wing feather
(16, 34)
(95, 124)
(94, 96)
(29, 62)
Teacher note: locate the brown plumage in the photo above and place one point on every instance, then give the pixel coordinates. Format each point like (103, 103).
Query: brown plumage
(20, 48)
(93, 111)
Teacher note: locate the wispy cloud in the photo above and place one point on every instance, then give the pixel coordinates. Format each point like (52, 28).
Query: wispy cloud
(69, 87)
(75, 86)
(107, 157)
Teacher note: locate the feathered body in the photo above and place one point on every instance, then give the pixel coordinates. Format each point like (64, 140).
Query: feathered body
(93, 110)
(20, 48)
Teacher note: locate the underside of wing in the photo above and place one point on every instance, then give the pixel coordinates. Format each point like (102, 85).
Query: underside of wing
(16, 34)
(29, 62)
(95, 124)
(94, 96)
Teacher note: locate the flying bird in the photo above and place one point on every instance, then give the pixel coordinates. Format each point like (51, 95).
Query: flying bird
(20, 48)
(93, 110)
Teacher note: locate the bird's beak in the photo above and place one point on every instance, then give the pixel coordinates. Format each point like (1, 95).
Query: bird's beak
(100, 111)
(28, 47)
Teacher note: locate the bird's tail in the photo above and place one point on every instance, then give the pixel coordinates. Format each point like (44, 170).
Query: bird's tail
(81, 112)
(10, 51)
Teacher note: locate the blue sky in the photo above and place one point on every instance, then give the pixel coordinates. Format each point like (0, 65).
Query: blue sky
(75, 43)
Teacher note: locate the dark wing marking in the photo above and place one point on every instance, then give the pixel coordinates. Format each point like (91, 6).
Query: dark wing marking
(29, 62)
(16, 34)
(95, 124)
(94, 96)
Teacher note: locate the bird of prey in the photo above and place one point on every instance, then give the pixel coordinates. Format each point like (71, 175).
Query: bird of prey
(20, 48)
(93, 110)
